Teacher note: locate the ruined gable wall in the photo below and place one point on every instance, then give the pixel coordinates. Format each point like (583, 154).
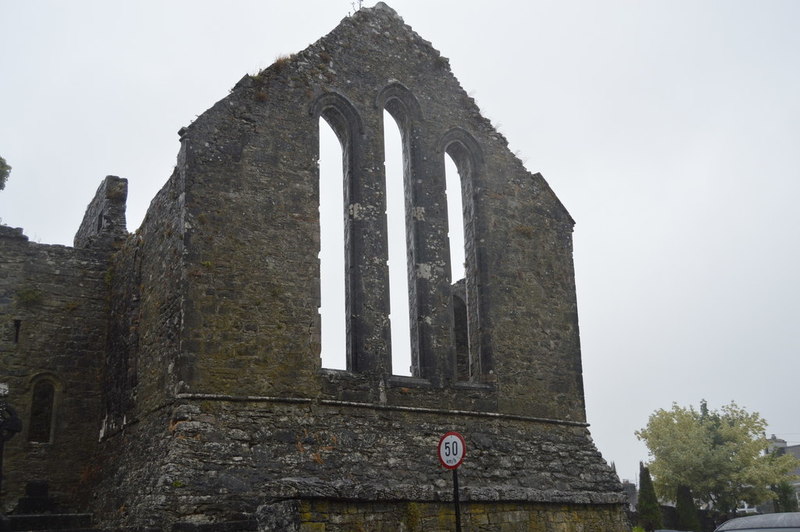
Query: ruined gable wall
(57, 295)
(231, 406)
(252, 237)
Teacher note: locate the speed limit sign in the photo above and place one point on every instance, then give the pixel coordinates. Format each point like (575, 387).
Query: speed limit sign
(451, 450)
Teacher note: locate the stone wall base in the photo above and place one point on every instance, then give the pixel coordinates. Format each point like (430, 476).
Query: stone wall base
(322, 515)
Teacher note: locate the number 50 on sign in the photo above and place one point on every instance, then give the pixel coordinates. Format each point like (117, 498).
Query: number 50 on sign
(451, 450)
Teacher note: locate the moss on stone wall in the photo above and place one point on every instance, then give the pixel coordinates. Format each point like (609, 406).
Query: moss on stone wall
(395, 516)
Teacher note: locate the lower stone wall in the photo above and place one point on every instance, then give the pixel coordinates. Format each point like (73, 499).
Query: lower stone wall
(207, 459)
(318, 515)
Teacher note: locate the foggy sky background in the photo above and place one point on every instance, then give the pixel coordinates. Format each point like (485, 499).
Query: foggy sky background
(669, 129)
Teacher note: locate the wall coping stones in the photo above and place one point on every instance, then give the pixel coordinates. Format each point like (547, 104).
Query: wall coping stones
(12, 232)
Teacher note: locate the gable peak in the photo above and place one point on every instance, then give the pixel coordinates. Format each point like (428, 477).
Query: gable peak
(382, 6)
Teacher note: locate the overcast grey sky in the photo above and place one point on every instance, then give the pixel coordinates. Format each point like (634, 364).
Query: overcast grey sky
(669, 129)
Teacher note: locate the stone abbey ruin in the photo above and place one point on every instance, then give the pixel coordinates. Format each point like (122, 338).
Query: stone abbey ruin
(170, 378)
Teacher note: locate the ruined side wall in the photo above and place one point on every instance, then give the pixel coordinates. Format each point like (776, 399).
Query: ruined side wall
(144, 363)
(132, 489)
(103, 224)
(53, 309)
(144, 358)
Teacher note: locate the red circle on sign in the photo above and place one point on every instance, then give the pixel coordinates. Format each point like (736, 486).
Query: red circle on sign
(451, 450)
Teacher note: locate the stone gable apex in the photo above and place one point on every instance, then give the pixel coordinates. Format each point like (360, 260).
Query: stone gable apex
(396, 55)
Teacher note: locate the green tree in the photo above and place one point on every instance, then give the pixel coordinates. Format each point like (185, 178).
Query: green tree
(686, 509)
(648, 508)
(5, 170)
(785, 498)
(719, 455)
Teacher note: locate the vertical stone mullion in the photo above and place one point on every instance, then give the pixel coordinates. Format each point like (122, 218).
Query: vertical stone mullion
(432, 261)
(369, 253)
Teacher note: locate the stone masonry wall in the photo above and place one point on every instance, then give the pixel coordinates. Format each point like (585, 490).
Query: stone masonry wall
(147, 279)
(53, 312)
(103, 225)
(252, 229)
(319, 515)
(144, 362)
(218, 459)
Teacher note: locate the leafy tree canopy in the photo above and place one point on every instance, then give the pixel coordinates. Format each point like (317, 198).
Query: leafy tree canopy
(719, 455)
(4, 171)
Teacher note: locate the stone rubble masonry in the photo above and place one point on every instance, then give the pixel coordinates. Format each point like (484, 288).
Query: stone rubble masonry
(54, 315)
(103, 224)
(186, 355)
(322, 515)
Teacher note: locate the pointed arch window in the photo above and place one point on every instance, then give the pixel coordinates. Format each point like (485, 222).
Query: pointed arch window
(400, 104)
(439, 315)
(400, 271)
(333, 316)
(346, 124)
(473, 356)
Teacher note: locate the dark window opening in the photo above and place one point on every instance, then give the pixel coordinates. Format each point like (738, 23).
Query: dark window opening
(460, 334)
(17, 326)
(41, 421)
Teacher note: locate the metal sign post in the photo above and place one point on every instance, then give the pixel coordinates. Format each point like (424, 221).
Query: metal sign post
(456, 501)
(451, 450)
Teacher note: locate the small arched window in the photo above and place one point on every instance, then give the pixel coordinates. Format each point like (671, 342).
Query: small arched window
(40, 427)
